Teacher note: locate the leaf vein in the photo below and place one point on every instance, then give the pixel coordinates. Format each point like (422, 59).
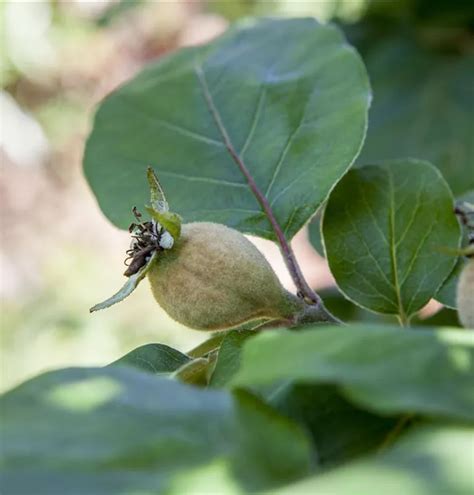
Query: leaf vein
(255, 120)
(393, 247)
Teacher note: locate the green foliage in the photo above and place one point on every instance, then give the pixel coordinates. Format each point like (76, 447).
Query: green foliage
(118, 430)
(257, 131)
(154, 358)
(259, 89)
(228, 361)
(339, 429)
(432, 460)
(396, 220)
(380, 367)
(421, 108)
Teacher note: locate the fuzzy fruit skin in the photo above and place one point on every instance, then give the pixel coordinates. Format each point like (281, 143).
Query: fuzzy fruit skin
(465, 295)
(214, 278)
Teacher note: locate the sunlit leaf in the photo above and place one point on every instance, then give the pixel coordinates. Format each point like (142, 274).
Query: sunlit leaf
(119, 430)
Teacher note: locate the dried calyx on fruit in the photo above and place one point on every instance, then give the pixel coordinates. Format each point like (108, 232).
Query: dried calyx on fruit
(204, 275)
(465, 287)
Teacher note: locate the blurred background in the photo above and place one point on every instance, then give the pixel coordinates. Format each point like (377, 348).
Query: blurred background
(59, 255)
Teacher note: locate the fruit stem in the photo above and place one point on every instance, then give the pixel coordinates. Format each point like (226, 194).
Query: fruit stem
(304, 290)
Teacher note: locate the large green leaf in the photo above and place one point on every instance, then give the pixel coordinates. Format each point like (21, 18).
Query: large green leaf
(383, 368)
(117, 430)
(422, 107)
(433, 460)
(387, 231)
(289, 97)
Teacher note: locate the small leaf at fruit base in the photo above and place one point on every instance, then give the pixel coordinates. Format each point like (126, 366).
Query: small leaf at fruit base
(386, 231)
(201, 107)
(207, 346)
(154, 358)
(117, 430)
(195, 371)
(228, 360)
(130, 285)
(169, 220)
(430, 460)
(381, 368)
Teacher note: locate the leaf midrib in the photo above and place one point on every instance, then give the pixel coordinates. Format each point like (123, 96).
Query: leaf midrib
(393, 247)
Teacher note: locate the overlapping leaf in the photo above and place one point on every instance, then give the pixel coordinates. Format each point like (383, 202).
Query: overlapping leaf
(117, 430)
(382, 368)
(228, 360)
(154, 358)
(340, 430)
(432, 460)
(388, 230)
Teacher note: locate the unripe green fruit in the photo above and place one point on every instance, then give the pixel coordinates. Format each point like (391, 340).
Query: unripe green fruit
(465, 295)
(214, 278)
